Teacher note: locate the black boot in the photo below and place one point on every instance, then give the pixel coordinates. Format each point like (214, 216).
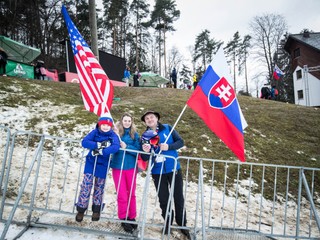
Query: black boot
(96, 212)
(95, 216)
(127, 227)
(79, 216)
(186, 233)
(134, 225)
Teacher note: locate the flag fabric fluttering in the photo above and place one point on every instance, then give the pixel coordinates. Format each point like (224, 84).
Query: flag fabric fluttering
(214, 100)
(277, 73)
(96, 88)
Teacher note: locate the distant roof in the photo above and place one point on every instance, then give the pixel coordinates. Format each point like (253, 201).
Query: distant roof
(309, 38)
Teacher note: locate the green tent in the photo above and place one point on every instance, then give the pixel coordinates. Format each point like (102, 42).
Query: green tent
(18, 52)
(150, 79)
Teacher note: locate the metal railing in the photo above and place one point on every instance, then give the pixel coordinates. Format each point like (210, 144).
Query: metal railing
(41, 175)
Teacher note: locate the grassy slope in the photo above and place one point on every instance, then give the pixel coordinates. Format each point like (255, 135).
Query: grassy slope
(278, 133)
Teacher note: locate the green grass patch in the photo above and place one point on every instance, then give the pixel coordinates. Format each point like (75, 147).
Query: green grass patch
(278, 133)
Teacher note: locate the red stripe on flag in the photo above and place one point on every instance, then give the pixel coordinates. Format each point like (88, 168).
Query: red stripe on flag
(85, 97)
(93, 90)
(86, 71)
(217, 122)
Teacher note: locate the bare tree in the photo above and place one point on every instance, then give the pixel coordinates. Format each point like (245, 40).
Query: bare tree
(267, 31)
(175, 59)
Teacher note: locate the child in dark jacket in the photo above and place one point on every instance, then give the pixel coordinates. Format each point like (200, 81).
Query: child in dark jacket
(102, 141)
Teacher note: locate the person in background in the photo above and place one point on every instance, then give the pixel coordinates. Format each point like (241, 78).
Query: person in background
(195, 80)
(101, 142)
(126, 75)
(265, 92)
(164, 169)
(37, 70)
(3, 61)
(124, 171)
(136, 77)
(173, 77)
(274, 92)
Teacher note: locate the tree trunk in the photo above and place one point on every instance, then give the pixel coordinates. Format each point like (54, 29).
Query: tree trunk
(93, 27)
(164, 51)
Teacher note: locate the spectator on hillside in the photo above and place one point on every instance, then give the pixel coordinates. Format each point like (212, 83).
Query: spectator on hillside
(37, 70)
(173, 77)
(136, 77)
(3, 61)
(274, 93)
(195, 80)
(126, 75)
(265, 92)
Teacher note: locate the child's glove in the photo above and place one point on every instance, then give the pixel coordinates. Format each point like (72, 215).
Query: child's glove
(97, 152)
(103, 144)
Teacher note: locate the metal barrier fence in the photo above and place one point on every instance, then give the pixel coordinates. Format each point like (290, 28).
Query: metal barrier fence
(41, 176)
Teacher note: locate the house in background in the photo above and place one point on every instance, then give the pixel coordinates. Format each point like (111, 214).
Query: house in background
(304, 50)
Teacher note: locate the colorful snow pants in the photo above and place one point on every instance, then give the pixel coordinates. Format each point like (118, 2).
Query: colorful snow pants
(86, 186)
(126, 189)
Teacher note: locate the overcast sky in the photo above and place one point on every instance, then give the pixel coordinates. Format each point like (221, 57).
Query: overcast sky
(225, 17)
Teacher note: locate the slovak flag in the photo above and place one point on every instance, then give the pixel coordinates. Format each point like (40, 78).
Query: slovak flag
(214, 100)
(96, 88)
(277, 73)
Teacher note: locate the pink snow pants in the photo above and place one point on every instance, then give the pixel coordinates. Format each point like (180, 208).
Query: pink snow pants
(126, 191)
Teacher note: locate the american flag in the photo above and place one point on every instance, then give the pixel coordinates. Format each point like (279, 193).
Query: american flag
(96, 88)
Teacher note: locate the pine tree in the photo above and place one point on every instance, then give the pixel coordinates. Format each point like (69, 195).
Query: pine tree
(162, 18)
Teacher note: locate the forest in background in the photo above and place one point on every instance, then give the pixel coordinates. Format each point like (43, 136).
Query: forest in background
(136, 31)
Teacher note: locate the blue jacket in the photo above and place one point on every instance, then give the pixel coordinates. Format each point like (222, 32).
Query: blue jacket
(126, 74)
(175, 142)
(102, 161)
(130, 157)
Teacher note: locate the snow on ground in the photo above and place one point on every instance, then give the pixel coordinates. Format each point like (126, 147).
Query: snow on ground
(16, 119)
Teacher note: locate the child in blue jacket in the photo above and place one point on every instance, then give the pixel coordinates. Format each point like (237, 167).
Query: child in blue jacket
(124, 171)
(102, 141)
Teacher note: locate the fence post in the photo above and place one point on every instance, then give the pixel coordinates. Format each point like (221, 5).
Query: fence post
(204, 237)
(3, 167)
(313, 207)
(299, 202)
(21, 190)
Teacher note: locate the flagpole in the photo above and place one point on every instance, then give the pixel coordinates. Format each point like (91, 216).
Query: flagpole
(175, 124)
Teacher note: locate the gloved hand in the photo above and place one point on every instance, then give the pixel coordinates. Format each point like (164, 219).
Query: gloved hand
(97, 152)
(105, 144)
(150, 137)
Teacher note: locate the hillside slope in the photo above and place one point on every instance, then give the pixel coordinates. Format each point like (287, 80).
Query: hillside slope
(278, 133)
